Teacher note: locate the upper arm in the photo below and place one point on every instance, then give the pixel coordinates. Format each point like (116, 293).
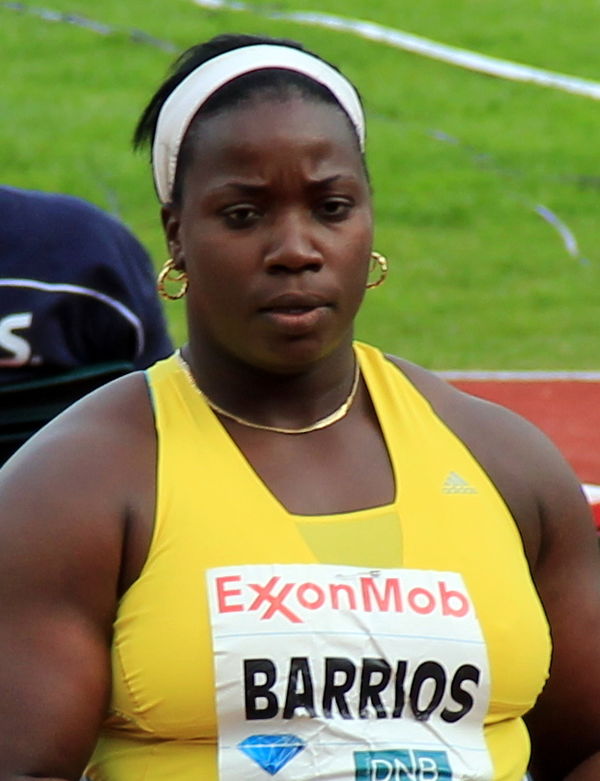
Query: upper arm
(565, 723)
(556, 525)
(559, 538)
(63, 512)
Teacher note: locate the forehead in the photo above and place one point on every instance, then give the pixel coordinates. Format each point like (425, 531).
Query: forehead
(268, 128)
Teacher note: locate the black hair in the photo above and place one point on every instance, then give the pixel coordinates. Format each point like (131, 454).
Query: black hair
(275, 83)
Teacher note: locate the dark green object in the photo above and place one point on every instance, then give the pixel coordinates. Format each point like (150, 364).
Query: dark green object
(27, 406)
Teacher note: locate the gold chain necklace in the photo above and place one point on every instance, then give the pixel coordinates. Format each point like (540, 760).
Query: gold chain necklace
(328, 420)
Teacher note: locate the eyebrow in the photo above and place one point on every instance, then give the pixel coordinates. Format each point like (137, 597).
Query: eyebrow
(243, 186)
(251, 189)
(320, 183)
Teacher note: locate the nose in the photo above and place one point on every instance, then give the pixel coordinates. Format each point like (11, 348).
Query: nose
(292, 247)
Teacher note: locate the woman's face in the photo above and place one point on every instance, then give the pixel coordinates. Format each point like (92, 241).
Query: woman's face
(274, 232)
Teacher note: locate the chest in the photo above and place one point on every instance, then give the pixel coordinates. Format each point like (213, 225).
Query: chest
(337, 470)
(227, 512)
(445, 517)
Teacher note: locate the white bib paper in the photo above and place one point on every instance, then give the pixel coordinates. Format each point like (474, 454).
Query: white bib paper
(329, 672)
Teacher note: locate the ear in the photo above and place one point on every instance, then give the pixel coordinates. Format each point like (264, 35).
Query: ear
(171, 222)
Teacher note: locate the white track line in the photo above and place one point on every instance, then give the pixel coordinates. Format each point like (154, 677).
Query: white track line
(462, 58)
(521, 376)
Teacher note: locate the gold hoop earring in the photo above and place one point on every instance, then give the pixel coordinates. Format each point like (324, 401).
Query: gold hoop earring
(378, 261)
(169, 273)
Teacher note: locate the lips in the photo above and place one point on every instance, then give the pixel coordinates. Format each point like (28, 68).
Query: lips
(294, 303)
(296, 312)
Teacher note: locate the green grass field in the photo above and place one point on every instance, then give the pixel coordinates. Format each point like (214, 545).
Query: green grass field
(458, 160)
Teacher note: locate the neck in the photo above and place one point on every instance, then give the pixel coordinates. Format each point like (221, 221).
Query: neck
(293, 399)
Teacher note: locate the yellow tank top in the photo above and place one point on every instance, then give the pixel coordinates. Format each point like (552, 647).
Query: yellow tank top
(213, 511)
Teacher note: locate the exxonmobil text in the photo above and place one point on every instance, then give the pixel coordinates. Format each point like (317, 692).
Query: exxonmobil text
(290, 599)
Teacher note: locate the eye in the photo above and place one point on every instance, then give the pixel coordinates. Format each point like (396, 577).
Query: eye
(335, 209)
(240, 216)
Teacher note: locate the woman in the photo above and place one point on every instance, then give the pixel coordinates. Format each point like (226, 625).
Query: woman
(347, 563)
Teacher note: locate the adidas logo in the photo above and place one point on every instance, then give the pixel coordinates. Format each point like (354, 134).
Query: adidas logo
(455, 484)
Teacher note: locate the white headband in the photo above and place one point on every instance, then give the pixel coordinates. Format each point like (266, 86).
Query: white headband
(182, 104)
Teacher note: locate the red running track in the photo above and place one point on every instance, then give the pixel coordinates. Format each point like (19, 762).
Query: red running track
(566, 406)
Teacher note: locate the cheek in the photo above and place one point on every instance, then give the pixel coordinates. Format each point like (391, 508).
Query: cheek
(362, 237)
(203, 258)
(354, 281)
(361, 252)
(217, 283)
(211, 286)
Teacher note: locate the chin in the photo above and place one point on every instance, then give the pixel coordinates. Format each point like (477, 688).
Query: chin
(297, 355)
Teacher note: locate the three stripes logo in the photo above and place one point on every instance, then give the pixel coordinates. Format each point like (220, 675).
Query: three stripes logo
(455, 484)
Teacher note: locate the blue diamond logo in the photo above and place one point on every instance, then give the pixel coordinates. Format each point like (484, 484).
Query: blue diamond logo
(272, 752)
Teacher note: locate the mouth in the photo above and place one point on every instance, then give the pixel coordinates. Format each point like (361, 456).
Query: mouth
(296, 312)
(295, 303)
(291, 310)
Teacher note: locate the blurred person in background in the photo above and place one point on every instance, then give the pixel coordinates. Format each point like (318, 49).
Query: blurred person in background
(78, 306)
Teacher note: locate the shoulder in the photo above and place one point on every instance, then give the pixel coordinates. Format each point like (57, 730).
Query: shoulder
(469, 415)
(529, 472)
(97, 431)
(88, 476)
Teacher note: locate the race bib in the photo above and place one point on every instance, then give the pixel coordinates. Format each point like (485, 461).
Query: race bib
(329, 672)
